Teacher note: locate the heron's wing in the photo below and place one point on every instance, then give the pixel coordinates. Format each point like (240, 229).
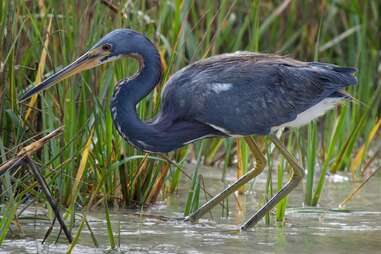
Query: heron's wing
(245, 96)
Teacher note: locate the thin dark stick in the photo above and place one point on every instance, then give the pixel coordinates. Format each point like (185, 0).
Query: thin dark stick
(45, 189)
(50, 229)
(110, 5)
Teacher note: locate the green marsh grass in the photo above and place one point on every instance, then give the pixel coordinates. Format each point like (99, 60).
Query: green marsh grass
(103, 169)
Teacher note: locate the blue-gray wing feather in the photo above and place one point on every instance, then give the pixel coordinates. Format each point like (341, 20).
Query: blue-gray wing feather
(250, 93)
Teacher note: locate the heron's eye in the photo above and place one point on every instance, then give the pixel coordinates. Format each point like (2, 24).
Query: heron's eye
(106, 47)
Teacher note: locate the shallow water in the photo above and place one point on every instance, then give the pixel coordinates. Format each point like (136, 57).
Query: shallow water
(307, 230)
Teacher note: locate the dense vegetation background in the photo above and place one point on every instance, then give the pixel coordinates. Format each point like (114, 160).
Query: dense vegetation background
(90, 165)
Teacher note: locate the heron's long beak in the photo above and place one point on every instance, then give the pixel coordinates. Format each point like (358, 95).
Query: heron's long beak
(85, 62)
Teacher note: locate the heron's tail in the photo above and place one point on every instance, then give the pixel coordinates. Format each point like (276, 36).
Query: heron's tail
(335, 74)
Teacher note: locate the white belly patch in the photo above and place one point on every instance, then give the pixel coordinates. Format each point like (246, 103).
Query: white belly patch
(311, 113)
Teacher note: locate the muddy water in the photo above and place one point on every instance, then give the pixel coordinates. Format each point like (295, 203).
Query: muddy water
(307, 230)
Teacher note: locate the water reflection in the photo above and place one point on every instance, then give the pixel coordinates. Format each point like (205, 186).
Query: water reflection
(307, 230)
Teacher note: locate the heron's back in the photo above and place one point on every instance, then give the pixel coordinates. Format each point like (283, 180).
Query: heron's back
(247, 93)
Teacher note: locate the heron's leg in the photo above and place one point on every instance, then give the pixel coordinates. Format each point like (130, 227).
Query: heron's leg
(297, 175)
(259, 166)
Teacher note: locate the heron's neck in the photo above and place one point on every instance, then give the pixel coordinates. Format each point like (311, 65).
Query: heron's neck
(149, 75)
(129, 92)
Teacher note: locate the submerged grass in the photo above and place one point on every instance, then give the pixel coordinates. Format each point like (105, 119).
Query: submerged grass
(92, 166)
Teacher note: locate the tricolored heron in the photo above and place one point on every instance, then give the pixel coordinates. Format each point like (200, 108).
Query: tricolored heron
(229, 95)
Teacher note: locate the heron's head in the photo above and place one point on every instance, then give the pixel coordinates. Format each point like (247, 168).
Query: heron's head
(115, 44)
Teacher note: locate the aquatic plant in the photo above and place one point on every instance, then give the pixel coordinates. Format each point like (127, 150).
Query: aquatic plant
(90, 165)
